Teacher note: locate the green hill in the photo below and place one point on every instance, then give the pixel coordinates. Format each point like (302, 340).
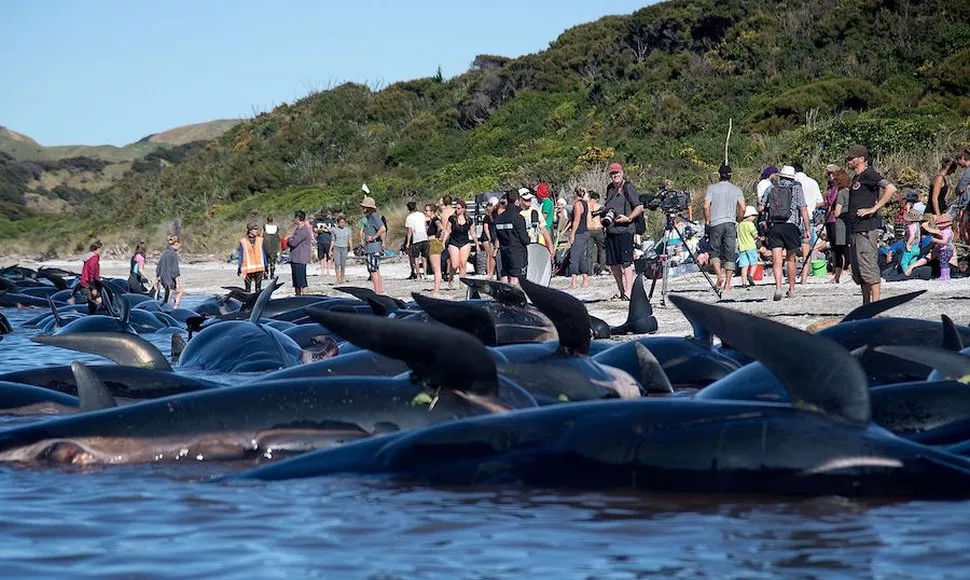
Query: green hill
(654, 90)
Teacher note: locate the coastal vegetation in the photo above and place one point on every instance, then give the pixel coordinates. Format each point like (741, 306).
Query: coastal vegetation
(654, 90)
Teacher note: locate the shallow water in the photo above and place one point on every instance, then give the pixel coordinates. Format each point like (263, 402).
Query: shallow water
(162, 521)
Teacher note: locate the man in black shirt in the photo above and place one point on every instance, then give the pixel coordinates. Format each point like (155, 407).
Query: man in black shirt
(865, 202)
(624, 199)
(511, 240)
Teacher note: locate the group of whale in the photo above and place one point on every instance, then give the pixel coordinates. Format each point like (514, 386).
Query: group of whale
(512, 386)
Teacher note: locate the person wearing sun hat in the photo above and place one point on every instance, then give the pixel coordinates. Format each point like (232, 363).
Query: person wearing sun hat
(747, 250)
(941, 228)
(624, 199)
(374, 231)
(865, 201)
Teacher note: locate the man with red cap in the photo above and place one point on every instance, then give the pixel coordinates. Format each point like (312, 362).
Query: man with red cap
(545, 203)
(623, 202)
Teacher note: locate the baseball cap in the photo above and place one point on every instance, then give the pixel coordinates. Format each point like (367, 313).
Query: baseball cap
(614, 168)
(523, 190)
(493, 200)
(857, 151)
(527, 195)
(724, 170)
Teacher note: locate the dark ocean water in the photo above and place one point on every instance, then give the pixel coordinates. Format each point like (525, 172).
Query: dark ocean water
(171, 521)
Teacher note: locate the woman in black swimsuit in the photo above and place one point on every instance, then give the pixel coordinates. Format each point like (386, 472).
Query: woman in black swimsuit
(461, 233)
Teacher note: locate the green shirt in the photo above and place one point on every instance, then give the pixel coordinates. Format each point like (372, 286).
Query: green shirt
(547, 212)
(746, 234)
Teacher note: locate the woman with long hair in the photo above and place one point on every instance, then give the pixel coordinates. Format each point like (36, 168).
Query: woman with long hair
(836, 225)
(461, 235)
(136, 270)
(435, 246)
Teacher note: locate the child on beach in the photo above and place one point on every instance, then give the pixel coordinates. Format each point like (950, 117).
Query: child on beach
(911, 254)
(942, 231)
(747, 251)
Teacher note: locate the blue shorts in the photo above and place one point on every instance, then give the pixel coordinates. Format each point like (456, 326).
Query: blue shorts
(747, 258)
(373, 263)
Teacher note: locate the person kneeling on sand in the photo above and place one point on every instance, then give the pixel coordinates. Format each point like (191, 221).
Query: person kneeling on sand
(942, 231)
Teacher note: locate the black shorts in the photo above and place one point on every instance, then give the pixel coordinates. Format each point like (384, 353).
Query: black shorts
(619, 249)
(299, 275)
(786, 236)
(323, 251)
(419, 250)
(514, 262)
(373, 263)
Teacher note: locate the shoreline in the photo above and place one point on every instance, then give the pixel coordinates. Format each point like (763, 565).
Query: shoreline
(815, 302)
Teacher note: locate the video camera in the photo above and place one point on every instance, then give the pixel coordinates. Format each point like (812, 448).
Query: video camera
(667, 200)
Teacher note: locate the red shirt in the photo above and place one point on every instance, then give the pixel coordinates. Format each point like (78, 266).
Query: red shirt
(91, 270)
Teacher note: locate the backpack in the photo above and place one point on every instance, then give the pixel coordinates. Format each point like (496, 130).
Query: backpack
(779, 206)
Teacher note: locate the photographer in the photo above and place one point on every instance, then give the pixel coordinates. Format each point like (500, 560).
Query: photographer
(620, 209)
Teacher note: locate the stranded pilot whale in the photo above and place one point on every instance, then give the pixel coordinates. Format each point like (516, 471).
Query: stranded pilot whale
(820, 444)
(261, 419)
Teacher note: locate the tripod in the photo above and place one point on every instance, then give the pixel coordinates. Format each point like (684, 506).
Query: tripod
(670, 228)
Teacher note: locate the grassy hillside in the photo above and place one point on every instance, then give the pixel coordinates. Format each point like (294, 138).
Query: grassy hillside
(653, 90)
(45, 181)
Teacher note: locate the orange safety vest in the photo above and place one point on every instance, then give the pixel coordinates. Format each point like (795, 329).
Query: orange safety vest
(252, 259)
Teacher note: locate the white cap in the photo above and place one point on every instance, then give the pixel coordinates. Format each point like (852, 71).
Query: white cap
(493, 200)
(524, 190)
(787, 171)
(527, 195)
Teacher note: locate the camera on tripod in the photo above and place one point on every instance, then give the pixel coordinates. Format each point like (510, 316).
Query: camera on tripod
(667, 200)
(607, 216)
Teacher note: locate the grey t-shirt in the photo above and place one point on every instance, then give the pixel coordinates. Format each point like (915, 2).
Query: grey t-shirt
(964, 182)
(797, 201)
(372, 225)
(341, 237)
(724, 197)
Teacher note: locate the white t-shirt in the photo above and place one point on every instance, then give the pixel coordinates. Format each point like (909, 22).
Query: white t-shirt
(761, 188)
(419, 228)
(813, 194)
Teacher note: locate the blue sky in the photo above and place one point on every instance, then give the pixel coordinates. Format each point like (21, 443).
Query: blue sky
(113, 71)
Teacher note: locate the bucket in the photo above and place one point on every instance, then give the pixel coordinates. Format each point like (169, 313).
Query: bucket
(758, 271)
(819, 268)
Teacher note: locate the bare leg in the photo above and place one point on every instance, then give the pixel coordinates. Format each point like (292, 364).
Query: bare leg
(618, 276)
(792, 267)
(807, 264)
(378, 282)
(454, 254)
(436, 268)
(628, 276)
(463, 254)
(716, 264)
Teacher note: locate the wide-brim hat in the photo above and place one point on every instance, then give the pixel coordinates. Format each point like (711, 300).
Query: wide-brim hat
(750, 211)
(787, 171)
(368, 202)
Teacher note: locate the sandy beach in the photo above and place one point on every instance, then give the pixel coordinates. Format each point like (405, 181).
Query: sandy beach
(817, 300)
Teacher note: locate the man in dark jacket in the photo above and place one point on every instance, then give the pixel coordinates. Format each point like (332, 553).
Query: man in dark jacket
(271, 245)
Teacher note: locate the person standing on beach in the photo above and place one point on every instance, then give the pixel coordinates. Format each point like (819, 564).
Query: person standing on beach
(784, 203)
(340, 248)
(416, 239)
(374, 231)
(167, 271)
(91, 276)
(624, 199)
(252, 259)
(864, 205)
(136, 270)
(323, 226)
(298, 245)
(723, 207)
(271, 246)
(512, 239)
